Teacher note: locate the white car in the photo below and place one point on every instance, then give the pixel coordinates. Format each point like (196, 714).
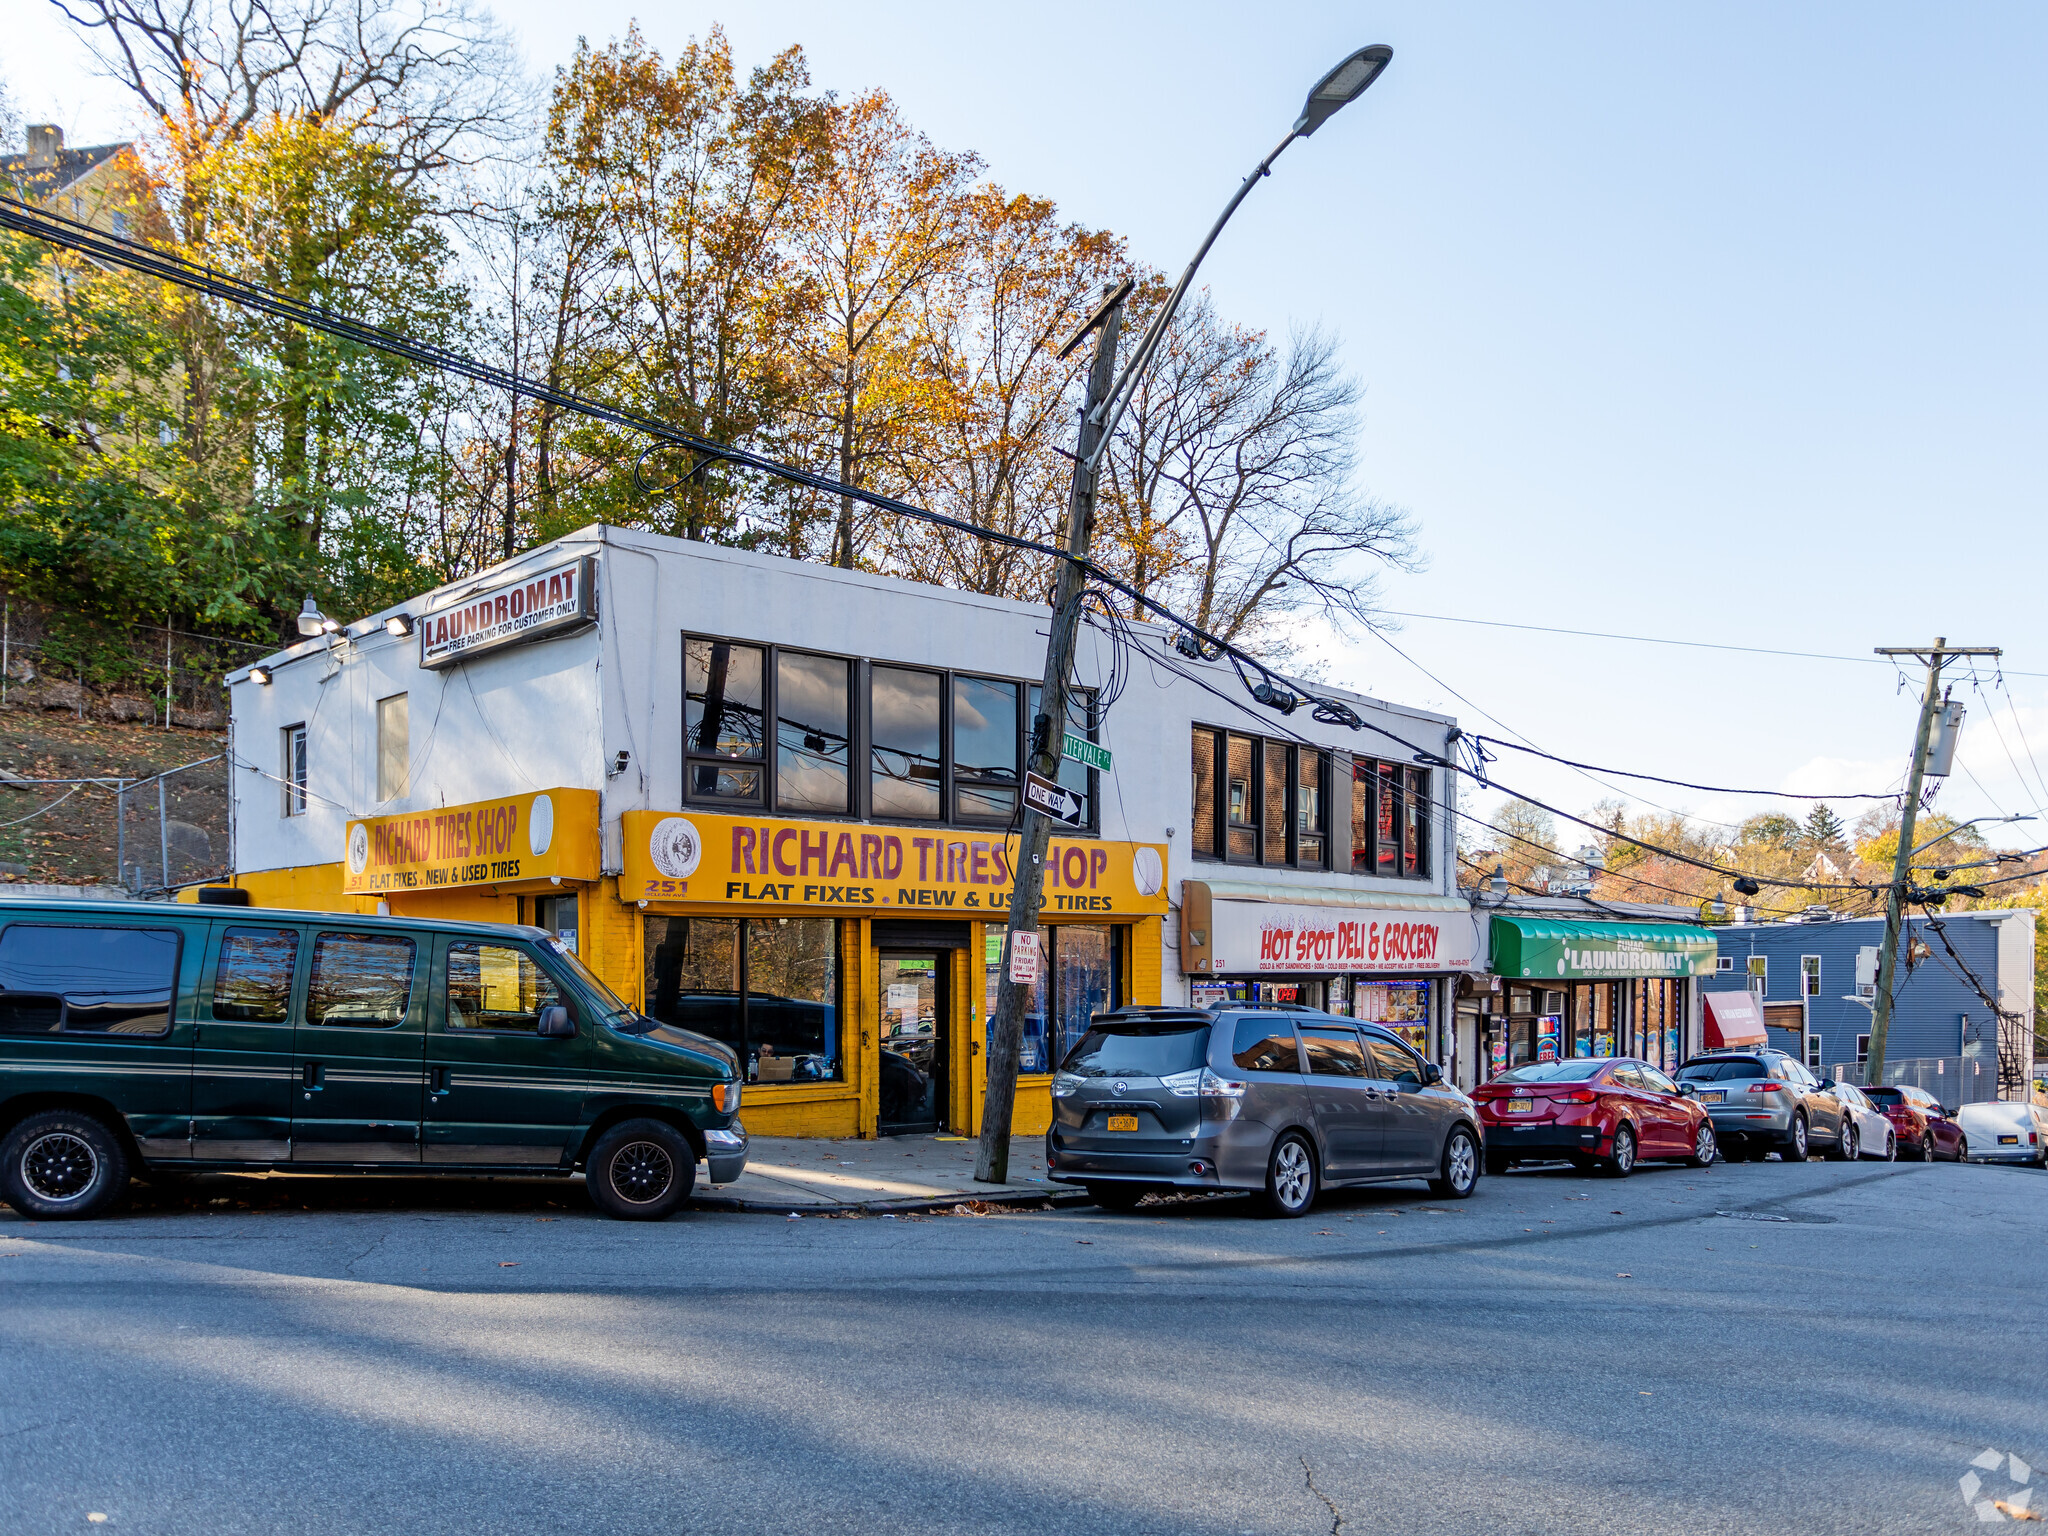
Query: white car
(1874, 1134)
(2005, 1133)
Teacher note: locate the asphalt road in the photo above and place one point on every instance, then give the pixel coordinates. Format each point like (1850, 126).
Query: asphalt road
(1559, 1354)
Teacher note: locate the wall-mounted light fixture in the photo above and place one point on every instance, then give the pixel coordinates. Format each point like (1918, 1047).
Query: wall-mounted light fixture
(398, 626)
(259, 674)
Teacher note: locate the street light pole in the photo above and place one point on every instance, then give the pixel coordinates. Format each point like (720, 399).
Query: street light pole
(1107, 395)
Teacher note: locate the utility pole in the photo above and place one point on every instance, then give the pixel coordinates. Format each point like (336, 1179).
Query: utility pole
(1006, 1027)
(1108, 393)
(1902, 865)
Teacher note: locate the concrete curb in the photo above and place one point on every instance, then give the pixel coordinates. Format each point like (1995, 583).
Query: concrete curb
(1057, 1197)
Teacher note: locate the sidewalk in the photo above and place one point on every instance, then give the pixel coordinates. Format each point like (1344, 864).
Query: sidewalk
(897, 1173)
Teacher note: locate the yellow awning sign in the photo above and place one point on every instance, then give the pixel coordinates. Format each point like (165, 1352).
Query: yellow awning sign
(953, 871)
(551, 833)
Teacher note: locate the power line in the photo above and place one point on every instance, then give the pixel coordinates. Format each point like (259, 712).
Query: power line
(1596, 634)
(1709, 789)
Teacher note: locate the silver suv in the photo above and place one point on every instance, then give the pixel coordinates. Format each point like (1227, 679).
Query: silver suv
(1281, 1103)
(1764, 1101)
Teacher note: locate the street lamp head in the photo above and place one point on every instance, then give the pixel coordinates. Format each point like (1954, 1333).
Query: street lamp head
(1342, 86)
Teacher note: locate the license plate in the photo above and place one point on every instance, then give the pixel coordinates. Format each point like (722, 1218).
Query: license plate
(2008, 1141)
(1122, 1122)
(1713, 1098)
(1520, 1106)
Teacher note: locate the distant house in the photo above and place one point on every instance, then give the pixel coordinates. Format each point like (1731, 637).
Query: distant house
(104, 185)
(1821, 969)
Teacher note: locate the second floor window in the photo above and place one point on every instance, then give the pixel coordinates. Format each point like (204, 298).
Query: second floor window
(723, 711)
(1390, 820)
(294, 774)
(1259, 801)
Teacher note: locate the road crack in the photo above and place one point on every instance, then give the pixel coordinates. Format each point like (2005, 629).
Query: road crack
(1308, 1474)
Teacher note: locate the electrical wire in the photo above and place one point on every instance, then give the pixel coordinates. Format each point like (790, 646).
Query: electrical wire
(1710, 789)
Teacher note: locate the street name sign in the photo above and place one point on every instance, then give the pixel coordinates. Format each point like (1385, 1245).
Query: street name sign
(1072, 746)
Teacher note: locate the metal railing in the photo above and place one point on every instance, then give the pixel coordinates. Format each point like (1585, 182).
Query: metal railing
(1951, 1080)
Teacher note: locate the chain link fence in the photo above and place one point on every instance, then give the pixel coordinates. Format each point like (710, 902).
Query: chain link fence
(1951, 1080)
(174, 829)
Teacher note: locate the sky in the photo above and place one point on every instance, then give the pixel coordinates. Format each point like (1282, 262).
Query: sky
(1716, 324)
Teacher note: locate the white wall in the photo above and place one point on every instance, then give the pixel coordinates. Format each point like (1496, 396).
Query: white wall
(530, 716)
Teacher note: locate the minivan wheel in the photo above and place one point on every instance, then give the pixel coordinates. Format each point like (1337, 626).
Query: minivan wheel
(640, 1170)
(1460, 1174)
(1291, 1177)
(62, 1165)
(1117, 1197)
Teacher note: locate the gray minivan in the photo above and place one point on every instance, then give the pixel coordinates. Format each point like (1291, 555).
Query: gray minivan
(1282, 1103)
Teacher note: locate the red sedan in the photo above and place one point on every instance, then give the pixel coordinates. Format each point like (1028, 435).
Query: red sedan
(1607, 1112)
(1925, 1130)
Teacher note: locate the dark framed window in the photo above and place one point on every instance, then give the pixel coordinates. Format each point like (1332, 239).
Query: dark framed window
(906, 735)
(252, 984)
(769, 987)
(987, 746)
(102, 981)
(360, 981)
(813, 732)
(498, 988)
(1256, 801)
(724, 711)
(1390, 820)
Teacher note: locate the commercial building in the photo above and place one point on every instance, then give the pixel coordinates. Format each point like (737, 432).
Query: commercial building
(774, 801)
(1571, 976)
(1816, 979)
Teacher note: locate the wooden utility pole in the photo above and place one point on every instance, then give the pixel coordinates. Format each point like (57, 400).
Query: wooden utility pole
(1902, 864)
(1006, 1027)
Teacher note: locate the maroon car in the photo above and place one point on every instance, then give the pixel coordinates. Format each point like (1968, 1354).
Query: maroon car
(1925, 1130)
(1601, 1113)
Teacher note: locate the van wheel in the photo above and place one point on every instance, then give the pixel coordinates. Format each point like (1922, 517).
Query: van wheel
(62, 1165)
(1460, 1173)
(1291, 1177)
(640, 1170)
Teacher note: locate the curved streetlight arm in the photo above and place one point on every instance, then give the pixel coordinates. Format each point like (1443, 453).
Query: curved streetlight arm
(1952, 831)
(1112, 408)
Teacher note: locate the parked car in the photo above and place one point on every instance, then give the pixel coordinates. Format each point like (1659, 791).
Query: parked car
(1873, 1132)
(138, 1039)
(2004, 1133)
(1764, 1101)
(1281, 1103)
(1925, 1130)
(1605, 1112)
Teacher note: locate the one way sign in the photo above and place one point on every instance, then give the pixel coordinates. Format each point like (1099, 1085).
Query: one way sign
(1056, 800)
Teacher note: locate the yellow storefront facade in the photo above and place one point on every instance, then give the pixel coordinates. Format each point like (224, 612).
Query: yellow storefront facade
(850, 965)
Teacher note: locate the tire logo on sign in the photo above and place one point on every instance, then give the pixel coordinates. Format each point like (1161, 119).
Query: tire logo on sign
(540, 825)
(1147, 874)
(358, 848)
(675, 847)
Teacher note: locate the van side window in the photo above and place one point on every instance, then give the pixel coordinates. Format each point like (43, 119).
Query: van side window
(360, 980)
(491, 986)
(108, 981)
(1333, 1053)
(1264, 1045)
(253, 982)
(1393, 1063)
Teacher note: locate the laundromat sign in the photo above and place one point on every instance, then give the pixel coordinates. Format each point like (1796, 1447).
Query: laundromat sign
(551, 834)
(942, 872)
(533, 607)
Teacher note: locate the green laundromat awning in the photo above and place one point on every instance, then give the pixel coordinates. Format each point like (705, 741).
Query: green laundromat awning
(1550, 951)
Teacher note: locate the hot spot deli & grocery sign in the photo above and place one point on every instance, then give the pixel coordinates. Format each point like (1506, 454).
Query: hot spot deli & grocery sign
(940, 872)
(1268, 938)
(1539, 950)
(549, 834)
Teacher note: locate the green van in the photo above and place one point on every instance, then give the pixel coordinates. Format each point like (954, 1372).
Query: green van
(145, 1037)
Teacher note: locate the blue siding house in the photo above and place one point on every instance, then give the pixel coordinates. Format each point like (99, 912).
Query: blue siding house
(1936, 1011)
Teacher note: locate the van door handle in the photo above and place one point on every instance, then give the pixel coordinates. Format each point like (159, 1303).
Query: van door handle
(312, 1077)
(437, 1082)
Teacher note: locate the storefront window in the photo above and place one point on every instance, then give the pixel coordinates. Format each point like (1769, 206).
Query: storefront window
(1401, 1005)
(905, 753)
(723, 719)
(811, 732)
(985, 745)
(1077, 980)
(768, 987)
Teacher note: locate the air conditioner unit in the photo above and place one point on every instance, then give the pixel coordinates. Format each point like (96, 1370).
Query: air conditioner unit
(1867, 990)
